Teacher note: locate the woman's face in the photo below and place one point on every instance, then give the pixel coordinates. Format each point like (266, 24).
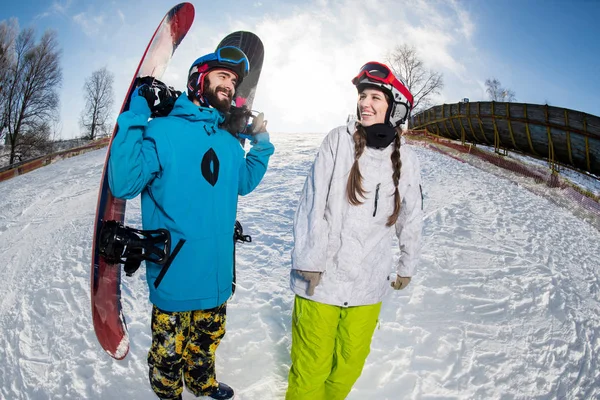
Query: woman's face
(372, 106)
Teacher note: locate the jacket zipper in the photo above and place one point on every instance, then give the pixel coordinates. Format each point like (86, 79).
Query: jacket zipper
(376, 198)
(167, 265)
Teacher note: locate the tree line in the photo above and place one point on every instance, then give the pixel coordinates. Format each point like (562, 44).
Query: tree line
(425, 83)
(31, 75)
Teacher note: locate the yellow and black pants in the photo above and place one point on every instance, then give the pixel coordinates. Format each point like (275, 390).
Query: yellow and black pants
(183, 349)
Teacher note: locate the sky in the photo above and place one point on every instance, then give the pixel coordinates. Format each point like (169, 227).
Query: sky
(545, 51)
(503, 305)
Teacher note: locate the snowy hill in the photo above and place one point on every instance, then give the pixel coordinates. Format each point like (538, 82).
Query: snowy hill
(505, 304)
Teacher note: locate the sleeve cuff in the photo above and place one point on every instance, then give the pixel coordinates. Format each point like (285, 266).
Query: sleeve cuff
(139, 106)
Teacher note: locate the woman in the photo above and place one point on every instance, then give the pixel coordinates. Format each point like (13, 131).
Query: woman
(363, 186)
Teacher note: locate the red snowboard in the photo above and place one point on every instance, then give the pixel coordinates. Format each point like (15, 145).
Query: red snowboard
(109, 322)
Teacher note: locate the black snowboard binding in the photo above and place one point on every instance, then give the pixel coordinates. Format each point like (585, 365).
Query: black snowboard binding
(120, 244)
(165, 96)
(238, 234)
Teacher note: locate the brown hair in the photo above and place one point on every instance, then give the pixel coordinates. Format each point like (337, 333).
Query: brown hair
(354, 187)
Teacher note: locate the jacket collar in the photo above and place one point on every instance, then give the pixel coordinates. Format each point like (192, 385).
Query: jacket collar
(351, 128)
(185, 109)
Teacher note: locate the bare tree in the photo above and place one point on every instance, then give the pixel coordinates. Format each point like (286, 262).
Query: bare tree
(98, 92)
(30, 98)
(8, 31)
(496, 92)
(423, 83)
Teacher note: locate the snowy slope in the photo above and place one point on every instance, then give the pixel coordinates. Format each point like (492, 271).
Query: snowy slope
(505, 304)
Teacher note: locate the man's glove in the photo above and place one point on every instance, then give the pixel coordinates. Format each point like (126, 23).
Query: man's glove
(147, 93)
(258, 124)
(400, 282)
(313, 279)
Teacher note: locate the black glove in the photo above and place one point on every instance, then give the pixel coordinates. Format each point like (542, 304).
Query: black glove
(258, 125)
(236, 119)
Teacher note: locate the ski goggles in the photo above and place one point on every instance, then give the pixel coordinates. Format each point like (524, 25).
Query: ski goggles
(376, 71)
(227, 57)
(233, 55)
(381, 73)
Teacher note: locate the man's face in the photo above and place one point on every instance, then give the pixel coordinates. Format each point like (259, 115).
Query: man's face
(221, 88)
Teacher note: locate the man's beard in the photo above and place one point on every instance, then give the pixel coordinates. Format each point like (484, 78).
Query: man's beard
(223, 105)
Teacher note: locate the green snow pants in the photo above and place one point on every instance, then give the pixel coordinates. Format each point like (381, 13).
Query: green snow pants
(183, 346)
(329, 347)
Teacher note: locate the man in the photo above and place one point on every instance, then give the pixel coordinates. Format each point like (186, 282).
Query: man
(189, 171)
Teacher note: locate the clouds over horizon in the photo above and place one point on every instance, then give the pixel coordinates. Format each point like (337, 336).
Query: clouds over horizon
(312, 51)
(325, 47)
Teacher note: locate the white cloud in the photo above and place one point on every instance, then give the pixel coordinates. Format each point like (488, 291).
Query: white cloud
(311, 56)
(121, 16)
(61, 7)
(467, 27)
(45, 14)
(91, 25)
(56, 8)
(312, 51)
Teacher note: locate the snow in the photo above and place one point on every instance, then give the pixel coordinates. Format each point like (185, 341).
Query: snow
(505, 303)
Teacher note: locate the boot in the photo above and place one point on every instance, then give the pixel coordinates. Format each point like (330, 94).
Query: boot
(223, 392)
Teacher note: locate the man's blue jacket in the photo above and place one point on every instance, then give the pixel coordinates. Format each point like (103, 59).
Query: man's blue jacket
(190, 173)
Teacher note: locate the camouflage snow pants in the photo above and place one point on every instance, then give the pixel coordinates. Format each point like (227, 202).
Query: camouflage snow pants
(183, 346)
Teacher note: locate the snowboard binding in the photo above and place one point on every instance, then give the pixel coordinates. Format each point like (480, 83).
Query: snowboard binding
(120, 244)
(238, 234)
(165, 96)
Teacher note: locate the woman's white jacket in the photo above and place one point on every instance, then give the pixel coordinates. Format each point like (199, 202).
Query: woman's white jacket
(352, 245)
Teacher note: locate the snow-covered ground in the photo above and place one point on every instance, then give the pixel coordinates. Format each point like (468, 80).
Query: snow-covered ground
(505, 304)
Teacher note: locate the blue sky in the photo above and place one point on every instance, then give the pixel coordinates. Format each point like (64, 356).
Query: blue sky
(544, 50)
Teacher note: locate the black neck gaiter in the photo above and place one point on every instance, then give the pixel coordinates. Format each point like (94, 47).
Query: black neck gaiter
(379, 136)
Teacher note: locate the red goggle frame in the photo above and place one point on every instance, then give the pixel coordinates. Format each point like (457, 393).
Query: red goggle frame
(378, 72)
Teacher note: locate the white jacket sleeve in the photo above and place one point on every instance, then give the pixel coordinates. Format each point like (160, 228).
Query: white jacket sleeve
(311, 230)
(410, 221)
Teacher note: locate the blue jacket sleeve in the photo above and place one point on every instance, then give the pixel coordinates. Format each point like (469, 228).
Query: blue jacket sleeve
(133, 161)
(256, 162)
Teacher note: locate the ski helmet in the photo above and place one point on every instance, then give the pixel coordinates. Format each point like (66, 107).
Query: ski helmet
(229, 57)
(381, 77)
